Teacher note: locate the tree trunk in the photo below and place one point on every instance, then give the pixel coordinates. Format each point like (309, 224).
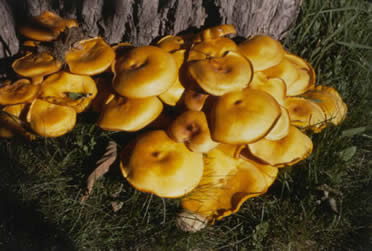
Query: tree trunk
(141, 21)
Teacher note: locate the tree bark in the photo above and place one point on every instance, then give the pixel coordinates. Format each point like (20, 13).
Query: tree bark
(142, 21)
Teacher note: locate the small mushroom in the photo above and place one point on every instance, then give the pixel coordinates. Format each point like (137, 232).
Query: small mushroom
(21, 91)
(50, 120)
(289, 150)
(144, 72)
(191, 128)
(305, 114)
(243, 117)
(330, 101)
(263, 51)
(194, 101)
(36, 66)
(90, 57)
(171, 43)
(124, 114)
(62, 87)
(156, 164)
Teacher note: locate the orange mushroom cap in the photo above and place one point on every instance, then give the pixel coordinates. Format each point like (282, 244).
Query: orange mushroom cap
(36, 66)
(21, 91)
(218, 76)
(215, 32)
(50, 120)
(289, 150)
(212, 49)
(226, 183)
(194, 101)
(10, 121)
(281, 127)
(125, 114)
(263, 51)
(191, 128)
(144, 72)
(305, 114)
(60, 88)
(243, 117)
(171, 43)
(158, 165)
(90, 56)
(330, 101)
(46, 27)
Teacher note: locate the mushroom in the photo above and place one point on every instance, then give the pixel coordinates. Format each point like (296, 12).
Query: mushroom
(212, 49)
(221, 75)
(171, 43)
(305, 114)
(36, 66)
(281, 127)
(215, 32)
(330, 101)
(125, 114)
(194, 101)
(226, 183)
(263, 51)
(289, 150)
(68, 89)
(144, 72)
(10, 122)
(243, 117)
(21, 91)
(46, 27)
(156, 164)
(90, 56)
(50, 120)
(191, 128)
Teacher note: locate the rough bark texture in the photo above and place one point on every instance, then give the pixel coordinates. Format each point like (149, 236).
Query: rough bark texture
(141, 21)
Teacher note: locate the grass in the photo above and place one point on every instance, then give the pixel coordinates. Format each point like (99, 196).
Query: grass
(41, 182)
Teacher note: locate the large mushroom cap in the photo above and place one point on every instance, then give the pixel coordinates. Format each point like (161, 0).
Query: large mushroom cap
(226, 184)
(281, 127)
(330, 101)
(285, 70)
(191, 127)
(171, 43)
(305, 114)
(263, 51)
(62, 87)
(243, 117)
(161, 166)
(90, 56)
(212, 49)
(124, 114)
(21, 91)
(46, 27)
(289, 150)
(302, 64)
(214, 32)
(144, 72)
(50, 120)
(36, 66)
(218, 76)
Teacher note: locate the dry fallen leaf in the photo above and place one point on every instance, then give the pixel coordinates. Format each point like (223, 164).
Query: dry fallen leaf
(103, 166)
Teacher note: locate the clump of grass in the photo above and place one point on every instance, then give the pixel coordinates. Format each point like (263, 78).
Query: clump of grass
(41, 182)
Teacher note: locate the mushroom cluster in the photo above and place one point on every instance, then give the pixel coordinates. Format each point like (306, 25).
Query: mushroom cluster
(53, 78)
(238, 113)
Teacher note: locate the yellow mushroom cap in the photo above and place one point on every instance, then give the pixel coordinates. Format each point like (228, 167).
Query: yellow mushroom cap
(263, 51)
(46, 27)
(125, 114)
(281, 127)
(144, 72)
(60, 87)
(273, 86)
(243, 117)
(161, 166)
(289, 150)
(171, 43)
(305, 114)
(285, 70)
(8, 125)
(191, 128)
(218, 76)
(194, 101)
(303, 64)
(330, 101)
(36, 66)
(215, 32)
(174, 93)
(226, 184)
(50, 120)
(90, 56)
(212, 49)
(21, 91)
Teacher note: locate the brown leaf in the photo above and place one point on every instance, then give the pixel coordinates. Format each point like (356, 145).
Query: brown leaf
(103, 166)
